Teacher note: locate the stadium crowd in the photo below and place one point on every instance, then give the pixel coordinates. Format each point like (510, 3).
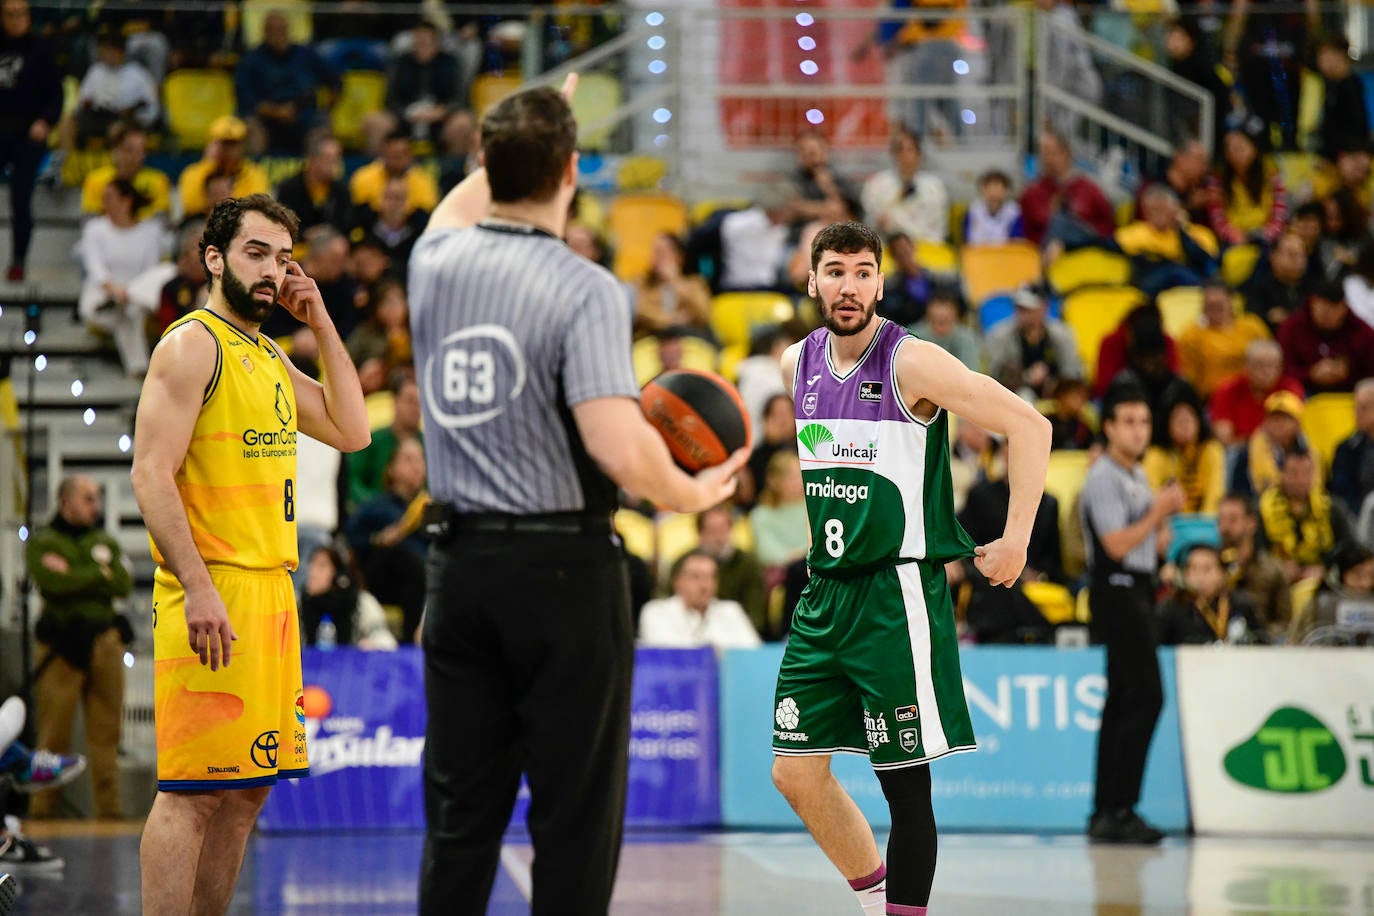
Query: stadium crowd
(1241, 301)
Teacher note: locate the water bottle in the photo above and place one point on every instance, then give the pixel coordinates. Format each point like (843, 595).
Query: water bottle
(326, 635)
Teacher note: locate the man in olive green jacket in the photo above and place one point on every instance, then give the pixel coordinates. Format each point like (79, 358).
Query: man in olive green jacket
(80, 571)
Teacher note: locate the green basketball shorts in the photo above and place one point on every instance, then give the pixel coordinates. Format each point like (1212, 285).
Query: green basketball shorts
(872, 667)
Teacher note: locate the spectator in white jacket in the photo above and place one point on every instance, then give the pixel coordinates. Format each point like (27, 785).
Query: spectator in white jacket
(904, 199)
(113, 89)
(694, 616)
(115, 249)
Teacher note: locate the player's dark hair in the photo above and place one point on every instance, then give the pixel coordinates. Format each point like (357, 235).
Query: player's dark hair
(227, 217)
(527, 140)
(1124, 391)
(846, 238)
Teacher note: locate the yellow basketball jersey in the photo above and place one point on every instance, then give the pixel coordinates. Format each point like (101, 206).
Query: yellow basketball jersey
(239, 478)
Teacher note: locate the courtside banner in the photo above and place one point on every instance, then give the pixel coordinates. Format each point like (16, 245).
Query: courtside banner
(1279, 741)
(364, 716)
(1036, 713)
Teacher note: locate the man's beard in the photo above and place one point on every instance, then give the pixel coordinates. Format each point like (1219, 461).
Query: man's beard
(828, 313)
(243, 302)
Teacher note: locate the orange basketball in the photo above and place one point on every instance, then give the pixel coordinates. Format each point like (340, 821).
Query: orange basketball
(316, 702)
(699, 414)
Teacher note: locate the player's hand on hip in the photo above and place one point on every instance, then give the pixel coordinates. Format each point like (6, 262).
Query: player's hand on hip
(1000, 562)
(300, 296)
(718, 483)
(208, 628)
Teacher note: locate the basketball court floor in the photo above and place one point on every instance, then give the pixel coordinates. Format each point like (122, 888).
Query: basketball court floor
(743, 874)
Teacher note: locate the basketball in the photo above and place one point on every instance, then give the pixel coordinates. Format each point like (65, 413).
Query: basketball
(699, 414)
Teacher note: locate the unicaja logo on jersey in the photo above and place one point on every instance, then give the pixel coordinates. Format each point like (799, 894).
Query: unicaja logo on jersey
(820, 442)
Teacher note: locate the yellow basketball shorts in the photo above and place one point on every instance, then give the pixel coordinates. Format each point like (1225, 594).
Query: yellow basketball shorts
(242, 726)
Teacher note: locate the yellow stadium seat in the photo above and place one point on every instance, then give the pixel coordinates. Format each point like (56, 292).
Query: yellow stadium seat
(937, 257)
(1311, 99)
(696, 354)
(1064, 479)
(381, 409)
(632, 221)
(1093, 314)
(735, 315)
(1327, 420)
(637, 531)
(1054, 601)
(194, 99)
(1181, 308)
(957, 211)
(640, 173)
(677, 534)
(742, 535)
(364, 91)
(1125, 212)
(1087, 267)
(991, 269)
(1238, 263)
(598, 97)
(490, 88)
(299, 22)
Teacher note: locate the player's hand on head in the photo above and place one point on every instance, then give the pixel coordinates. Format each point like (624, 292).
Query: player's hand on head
(208, 629)
(1000, 562)
(300, 295)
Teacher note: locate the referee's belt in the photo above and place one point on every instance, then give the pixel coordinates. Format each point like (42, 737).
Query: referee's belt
(443, 520)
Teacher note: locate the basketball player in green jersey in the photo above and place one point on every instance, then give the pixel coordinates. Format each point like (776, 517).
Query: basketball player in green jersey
(872, 662)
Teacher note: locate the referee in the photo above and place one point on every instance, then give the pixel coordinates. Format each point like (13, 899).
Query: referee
(1126, 529)
(522, 353)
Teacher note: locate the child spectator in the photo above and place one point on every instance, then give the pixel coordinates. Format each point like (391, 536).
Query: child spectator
(993, 218)
(1205, 610)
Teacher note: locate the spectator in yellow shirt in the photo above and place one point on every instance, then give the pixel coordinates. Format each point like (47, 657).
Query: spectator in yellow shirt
(1214, 349)
(1189, 457)
(224, 153)
(397, 161)
(128, 153)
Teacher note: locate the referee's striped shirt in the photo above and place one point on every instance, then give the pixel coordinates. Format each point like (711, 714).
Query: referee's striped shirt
(511, 329)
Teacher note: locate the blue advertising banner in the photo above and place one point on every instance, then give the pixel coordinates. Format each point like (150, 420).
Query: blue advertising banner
(365, 722)
(1036, 713)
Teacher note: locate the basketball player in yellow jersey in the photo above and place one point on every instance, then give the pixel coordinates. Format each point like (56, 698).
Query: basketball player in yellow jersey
(214, 472)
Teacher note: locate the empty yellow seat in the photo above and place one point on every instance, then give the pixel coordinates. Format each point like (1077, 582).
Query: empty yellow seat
(632, 221)
(735, 315)
(1181, 308)
(194, 99)
(1087, 267)
(1094, 313)
(992, 269)
(363, 92)
(1327, 420)
(637, 531)
(937, 257)
(696, 354)
(490, 88)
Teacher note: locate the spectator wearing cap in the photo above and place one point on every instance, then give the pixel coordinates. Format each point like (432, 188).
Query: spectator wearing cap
(128, 161)
(1258, 466)
(943, 326)
(1213, 350)
(1343, 107)
(278, 84)
(396, 161)
(1249, 202)
(224, 153)
(1280, 282)
(1352, 470)
(1324, 345)
(1033, 352)
(318, 192)
(904, 198)
(1301, 522)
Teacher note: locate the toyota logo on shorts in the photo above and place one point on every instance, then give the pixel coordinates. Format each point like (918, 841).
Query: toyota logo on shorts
(264, 750)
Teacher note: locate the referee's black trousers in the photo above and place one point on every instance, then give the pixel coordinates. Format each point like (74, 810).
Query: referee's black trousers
(529, 649)
(1123, 620)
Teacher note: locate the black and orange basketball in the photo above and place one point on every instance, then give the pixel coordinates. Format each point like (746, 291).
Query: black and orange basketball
(699, 414)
